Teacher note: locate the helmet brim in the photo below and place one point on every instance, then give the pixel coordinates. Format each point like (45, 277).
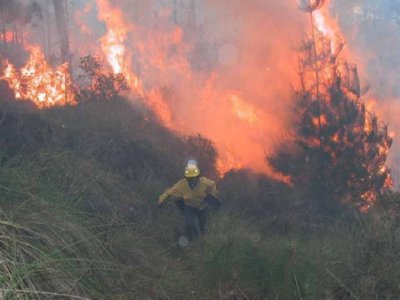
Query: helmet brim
(192, 174)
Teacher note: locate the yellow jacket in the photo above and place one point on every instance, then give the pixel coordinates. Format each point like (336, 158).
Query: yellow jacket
(191, 197)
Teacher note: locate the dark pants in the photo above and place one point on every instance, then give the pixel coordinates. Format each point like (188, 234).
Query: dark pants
(191, 214)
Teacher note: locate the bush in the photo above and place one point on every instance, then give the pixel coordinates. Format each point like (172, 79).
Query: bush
(101, 84)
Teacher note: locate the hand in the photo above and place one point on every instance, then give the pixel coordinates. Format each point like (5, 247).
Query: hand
(213, 201)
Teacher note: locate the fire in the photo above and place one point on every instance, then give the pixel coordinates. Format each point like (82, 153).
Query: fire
(319, 121)
(113, 43)
(163, 76)
(243, 110)
(115, 48)
(224, 81)
(329, 28)
(160, 108)
(228, 163)
(39, 82)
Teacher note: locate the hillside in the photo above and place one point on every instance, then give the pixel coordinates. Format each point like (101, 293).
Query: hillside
(79, 220)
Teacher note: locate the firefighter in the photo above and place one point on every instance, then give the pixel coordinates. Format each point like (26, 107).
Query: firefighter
(193, 195)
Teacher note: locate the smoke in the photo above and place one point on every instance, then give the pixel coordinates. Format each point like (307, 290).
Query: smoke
(248, 110)
(224, 71)
(22, 12)
(220, 68)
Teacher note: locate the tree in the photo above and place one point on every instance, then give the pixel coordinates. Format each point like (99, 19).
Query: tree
(338, 151)
(61, 21)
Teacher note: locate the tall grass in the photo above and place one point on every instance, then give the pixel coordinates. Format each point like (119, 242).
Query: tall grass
(49, 237)
(78, 220)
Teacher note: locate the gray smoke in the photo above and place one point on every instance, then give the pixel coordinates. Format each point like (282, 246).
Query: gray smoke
(20, 11)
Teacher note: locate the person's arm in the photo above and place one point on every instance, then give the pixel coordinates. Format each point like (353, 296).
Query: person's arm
(211, 198)
(170, 193)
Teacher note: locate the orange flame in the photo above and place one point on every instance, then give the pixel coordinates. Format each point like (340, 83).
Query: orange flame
(114, 42)
(160, 108)
(244, 111)
(38, 82)
(329, 28)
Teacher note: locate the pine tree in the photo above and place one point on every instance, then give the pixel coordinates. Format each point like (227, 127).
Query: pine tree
(338, 151)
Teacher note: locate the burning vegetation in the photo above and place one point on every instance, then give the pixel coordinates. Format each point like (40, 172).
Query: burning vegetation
(338, 150)
(222, 89)
(108, 98)
(38, 82)
(169, 63)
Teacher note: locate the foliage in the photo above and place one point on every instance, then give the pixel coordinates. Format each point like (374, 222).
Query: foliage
(127, 140)
(257, 196)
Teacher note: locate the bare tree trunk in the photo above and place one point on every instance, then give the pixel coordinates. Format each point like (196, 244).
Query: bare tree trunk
(62, 29)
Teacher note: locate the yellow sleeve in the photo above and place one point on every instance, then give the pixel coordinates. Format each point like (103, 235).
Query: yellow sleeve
(173, 192)
(213, 189)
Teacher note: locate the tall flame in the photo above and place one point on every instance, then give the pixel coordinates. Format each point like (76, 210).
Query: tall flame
(329, 28)
(114, 42)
